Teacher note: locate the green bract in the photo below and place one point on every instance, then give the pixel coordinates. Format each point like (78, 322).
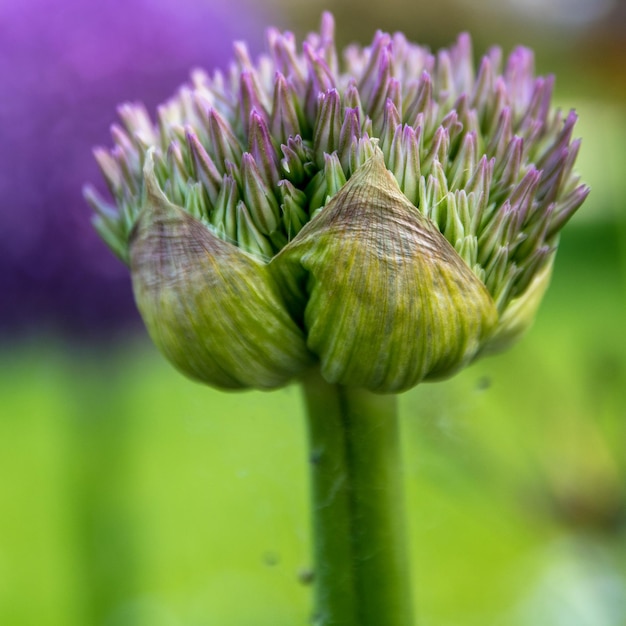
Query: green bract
(390, 217)
(387, 301)
(213, 310)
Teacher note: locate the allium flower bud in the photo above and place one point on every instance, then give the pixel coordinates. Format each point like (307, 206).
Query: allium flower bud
(392, 216)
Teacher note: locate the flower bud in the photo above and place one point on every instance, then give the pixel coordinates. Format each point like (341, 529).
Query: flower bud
(393, 218)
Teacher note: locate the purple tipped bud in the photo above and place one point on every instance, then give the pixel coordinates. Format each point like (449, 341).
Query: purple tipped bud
(566, 208)
(205, 170)
(519, 78)
(350, 132)
(404, 161)
(285, 118)
(224, 144)
(391, 122)
(320, 78)
(464, 163)
(501, 136)
(257, 194)
(327, 124)
(262, 149)
(508, 166)
(421, 100)
(438, 149)
(483, 87)
(251, 99)
(522, 197)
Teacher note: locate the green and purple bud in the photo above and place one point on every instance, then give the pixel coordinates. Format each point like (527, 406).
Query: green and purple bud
(390, 216)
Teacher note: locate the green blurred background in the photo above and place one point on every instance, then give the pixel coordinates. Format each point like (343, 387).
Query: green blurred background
(130, 496)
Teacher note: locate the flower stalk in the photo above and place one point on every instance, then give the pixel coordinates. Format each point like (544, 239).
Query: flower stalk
(362, 569)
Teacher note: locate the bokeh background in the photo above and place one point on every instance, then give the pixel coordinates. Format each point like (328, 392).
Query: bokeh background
(130, 496)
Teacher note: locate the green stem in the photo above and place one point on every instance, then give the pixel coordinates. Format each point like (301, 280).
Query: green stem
(361, 558)
(335, 586)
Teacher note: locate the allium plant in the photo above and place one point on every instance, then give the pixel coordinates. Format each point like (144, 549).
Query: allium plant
(358, 224)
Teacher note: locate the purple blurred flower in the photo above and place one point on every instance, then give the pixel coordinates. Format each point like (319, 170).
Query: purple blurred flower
(63, 68)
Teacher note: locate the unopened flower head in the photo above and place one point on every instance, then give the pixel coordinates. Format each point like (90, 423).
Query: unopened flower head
(389, 214)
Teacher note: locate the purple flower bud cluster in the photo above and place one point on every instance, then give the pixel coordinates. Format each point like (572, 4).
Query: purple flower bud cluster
(258, 151)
